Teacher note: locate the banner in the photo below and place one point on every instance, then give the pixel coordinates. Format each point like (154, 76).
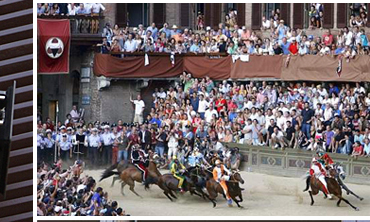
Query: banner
(54, 39)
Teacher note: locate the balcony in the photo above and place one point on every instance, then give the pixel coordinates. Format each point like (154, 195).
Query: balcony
(85, 29)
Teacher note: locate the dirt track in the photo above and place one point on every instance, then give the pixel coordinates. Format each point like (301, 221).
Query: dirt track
(264, 195)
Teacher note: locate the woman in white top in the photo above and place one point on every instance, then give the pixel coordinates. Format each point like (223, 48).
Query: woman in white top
(72, 9)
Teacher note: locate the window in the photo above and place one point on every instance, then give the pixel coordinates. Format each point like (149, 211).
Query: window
(138, 14)
(269, 7)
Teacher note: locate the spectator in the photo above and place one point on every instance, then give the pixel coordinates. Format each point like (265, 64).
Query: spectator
(130, 44)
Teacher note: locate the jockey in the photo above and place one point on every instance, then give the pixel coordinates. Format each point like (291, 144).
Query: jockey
(325, 160)
(139, 159)
(177, 169)
(319, 172)
(221, 174)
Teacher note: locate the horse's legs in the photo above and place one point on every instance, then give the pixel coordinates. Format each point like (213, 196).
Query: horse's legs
(131, 183)
(340, 200)
(237, 202)
(241, 197)
(172, 194)
(347, 189)
(114, 180)
(307, 183)
(166, 193)
(356, 208)
(312, 201)
(123, 184)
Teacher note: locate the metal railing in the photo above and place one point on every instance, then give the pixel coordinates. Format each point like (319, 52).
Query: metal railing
(81, 24)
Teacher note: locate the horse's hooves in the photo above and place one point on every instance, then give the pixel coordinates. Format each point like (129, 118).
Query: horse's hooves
(361, 199)
(357, 209)
(241, 207)
(311, 204)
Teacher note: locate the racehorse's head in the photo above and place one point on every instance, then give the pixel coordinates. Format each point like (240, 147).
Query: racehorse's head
(340, 171)
(236, 176)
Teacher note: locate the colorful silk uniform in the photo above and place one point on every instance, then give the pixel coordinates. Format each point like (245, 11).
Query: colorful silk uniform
(319, 172)
(327, 161)
(175, 170)
(138, 158)
(220, 175)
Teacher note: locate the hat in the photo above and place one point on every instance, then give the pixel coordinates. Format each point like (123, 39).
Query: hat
(62, 127)
(135, 29)
(48, 131)
(94, 129)
(281, 21)
(218, 162)
(208, 28)
(114, 125)
(64, 135)
(293, 38)
(69, 128)
(310, 37)
(254, 88)
(174, 26)
(106, 127)
(243, 27)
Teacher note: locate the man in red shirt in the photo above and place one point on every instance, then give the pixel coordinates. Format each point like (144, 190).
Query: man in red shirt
(293, 47)
(220, 103)
(328, 38)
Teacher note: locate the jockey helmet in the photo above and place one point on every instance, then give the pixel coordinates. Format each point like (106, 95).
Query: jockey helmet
(218, 162)
(314, 160)
(174, 157)
(320, 154)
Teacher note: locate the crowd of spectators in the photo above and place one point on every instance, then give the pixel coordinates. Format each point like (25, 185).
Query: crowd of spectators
(202, 114)
(69, 9)
(232, 39)
(62, 192)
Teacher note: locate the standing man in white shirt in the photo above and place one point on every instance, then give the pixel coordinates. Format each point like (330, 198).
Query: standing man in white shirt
(130, 44)
(203, 105)
(139, 109)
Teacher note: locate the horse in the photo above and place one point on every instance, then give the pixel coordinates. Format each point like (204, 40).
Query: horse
(129, 175)
(333, 188)
(199, 179)
(339, 175)
(124, 164)
(214, 188)
(169, 184)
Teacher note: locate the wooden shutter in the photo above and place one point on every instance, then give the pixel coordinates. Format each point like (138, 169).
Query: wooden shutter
(298, 13)
(285, 13)
(368, 20)
(256, 15)
(240, 8)
(328, 15)
(184, 14)
(159, 12)
(17, 65)
(207, 14)
(212, 14)
(216, 14)
(121, 15)
(341, 15)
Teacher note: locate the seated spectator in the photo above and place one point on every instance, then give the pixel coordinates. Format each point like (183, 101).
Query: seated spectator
(357, 150)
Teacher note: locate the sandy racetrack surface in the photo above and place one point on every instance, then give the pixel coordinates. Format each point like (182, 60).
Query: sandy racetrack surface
(264, 195)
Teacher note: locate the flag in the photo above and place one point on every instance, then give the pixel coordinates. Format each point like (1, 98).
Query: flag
(54, 39)
(146, 60)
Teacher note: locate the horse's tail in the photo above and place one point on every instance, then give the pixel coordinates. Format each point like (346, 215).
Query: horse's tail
(307, 178)
(109, 172)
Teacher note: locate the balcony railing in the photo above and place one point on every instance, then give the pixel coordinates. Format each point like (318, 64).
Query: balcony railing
(81, 24)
